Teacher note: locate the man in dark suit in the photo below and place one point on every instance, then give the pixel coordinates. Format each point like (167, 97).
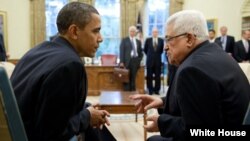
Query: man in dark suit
(130, 57)
(50, 81)
(2, 49)
(226, 41)
(153, 49)
(211, 35)
(209, 89)
(241, 49)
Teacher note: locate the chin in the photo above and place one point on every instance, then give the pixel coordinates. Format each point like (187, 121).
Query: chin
(88, 54)
(91, 55)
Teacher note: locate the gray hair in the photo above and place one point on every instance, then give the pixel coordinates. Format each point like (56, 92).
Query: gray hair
(189, 21)
(132, 28)
(74, 13)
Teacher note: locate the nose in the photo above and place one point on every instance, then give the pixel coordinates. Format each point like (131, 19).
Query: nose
(100, 39)
(166, 47)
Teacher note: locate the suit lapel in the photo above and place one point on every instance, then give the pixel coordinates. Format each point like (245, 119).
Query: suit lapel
(130, 44)
(242, 46)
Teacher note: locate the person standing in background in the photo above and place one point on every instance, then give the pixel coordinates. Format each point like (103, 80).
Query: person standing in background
(3, 56)
(241, 49)
(153, 49)
(211, 35)
(226, 41)
(50, 81)
(130, 57)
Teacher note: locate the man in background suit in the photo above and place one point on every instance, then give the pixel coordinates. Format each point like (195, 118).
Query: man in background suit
(208, 90)
(153, 49)
(2, 49)
(211, 35)
(226, 41)
(241, 49)
(130, 57)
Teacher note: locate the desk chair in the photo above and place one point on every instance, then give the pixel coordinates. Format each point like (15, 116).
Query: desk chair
(11, 124)
(9, 67)
(108, 59)
(247, 116)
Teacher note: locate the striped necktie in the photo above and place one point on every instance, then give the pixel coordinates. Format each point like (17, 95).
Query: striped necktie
(154, 44)
(133, 48)
(223, 42)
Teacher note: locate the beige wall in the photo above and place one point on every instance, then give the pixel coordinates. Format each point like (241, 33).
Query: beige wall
(227, 12)
(18, 26)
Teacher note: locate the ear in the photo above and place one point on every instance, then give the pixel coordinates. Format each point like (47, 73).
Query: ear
(190, 40)
(72, 30)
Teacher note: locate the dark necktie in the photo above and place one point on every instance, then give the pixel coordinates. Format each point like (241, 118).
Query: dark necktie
(155, 45)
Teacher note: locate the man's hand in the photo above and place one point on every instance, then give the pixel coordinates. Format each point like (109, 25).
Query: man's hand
(7, 55)
(145, 102)
(153, 125)
(98, 117)
(121, 65)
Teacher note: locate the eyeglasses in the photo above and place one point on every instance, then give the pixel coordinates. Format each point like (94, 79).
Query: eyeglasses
(169, 38)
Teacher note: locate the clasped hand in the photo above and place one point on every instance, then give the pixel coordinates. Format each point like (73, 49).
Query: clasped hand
(98, 117)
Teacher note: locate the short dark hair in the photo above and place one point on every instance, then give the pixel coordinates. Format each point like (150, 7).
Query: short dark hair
(244, 31)
(74, 13)
(211, 30)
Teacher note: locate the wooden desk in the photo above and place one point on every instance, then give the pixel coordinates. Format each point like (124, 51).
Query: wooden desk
(101, 78)
(118, 102)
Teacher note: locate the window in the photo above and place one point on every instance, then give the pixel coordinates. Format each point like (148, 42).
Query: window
(157, 12)
(110, 16)
(52, 8)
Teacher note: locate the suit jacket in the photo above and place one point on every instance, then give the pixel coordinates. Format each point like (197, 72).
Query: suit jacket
(153, 56)
(229, 44)
(240, 51)
(209, 89)
(50, 85)
(2, 49)
(125, 51)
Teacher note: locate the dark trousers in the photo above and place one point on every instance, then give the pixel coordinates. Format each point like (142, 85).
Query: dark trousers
(158, 138)
(95, 134)
(2, 56)
(154, 74)
(133, 67)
